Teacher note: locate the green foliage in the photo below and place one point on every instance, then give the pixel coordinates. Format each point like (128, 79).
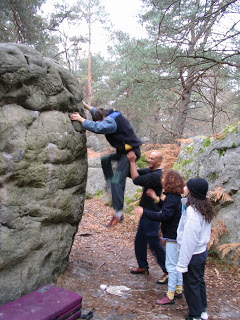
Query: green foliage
(129, 210)
(187, 174)
(180, 166)
(229, 129)
(132, 202)
(133, 86)
(135, 197)
(98, 194)
(213, 257)
(21, 22)
(88, 195)
(90, 10)
(213, 253)
(189, 51)
(128, 200)
(189, 149)
(198, 170)
(157, 68)
(185, 162)
(232, 128)
(142, 162)
(213, 176)
(176, 166)
(207, 142)
(221, 152)
(130, 207)
(144, 77)
(99, 72)
(82, 15)
(147, 79)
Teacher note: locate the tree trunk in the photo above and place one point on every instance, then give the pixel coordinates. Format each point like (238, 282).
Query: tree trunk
(89, 61)
(183, 105)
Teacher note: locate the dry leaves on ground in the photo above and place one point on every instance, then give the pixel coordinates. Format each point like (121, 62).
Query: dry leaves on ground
(102, 255)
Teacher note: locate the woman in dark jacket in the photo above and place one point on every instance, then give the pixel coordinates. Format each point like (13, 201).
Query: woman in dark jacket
(169, 216)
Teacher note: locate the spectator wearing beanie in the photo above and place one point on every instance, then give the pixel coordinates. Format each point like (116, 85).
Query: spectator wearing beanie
(198, 188)
(193, 234)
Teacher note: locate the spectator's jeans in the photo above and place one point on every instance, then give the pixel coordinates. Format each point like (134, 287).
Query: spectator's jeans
(118, 178)
(141, 243)
(174, 277)
(194, 285)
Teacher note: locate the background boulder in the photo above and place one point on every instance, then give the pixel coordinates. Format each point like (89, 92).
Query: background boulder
(98, 142)
(217, 159)
(96, 184)
(93, 143)
(43, 169)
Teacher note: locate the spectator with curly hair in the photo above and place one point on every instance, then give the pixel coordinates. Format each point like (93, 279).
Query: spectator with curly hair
(173, 184)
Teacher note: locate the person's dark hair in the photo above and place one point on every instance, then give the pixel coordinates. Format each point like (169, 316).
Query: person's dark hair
(172, 182)
(99, 113)
(204, 207)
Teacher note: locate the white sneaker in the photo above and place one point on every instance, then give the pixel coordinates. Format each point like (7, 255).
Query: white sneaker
(204, 316)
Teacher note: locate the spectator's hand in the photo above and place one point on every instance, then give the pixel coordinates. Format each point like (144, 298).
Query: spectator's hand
(131, 156)
(138, 211)
(151, 193)
(76, 117)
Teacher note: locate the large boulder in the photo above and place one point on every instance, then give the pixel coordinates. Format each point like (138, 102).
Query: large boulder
(43, 169)
(217, 159)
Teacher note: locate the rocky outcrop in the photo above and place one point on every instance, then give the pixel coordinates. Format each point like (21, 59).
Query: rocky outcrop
(97, 143)
(43, 169)
(217, 160)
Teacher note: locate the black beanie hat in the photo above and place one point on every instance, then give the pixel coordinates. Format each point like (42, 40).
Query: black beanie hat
(198, 188)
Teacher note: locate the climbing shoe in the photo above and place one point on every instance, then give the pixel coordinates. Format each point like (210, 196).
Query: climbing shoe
(165, 300)
(113, 221)
(177, 295)
(163, 279)
(139, 271)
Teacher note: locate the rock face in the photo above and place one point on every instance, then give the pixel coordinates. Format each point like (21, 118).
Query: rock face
(43, 169)
(218, 161)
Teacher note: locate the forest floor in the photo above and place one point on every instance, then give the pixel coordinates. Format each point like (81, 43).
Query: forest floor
(102, 255)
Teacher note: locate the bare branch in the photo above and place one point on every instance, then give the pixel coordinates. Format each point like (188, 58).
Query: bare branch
(215, 61)
(16, 23)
